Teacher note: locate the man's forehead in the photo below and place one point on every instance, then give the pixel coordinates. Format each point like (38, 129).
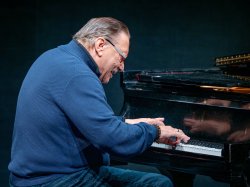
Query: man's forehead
(123, 41)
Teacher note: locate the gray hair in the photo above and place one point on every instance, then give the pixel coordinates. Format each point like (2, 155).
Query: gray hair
(106, 27)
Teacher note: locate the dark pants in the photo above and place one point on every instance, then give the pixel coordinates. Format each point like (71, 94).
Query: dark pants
(110, 176)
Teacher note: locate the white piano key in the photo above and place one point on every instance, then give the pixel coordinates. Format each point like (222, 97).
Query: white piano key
(191, 148)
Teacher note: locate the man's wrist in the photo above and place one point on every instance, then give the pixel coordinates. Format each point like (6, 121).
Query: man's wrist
(158, 133)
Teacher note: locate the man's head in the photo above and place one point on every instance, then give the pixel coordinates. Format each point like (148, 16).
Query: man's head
(107, 41)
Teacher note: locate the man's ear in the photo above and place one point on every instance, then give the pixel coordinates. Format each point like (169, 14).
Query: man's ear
(99, 46)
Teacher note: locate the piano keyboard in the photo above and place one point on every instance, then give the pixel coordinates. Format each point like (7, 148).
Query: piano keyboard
(195, 146)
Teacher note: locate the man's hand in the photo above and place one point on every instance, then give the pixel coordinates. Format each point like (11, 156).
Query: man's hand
(151, 121)
(172, 136)
(169, 135)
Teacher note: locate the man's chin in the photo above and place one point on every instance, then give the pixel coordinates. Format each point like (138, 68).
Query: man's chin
(105, 80)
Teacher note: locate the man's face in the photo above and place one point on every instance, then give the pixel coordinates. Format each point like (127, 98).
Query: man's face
(116, 51)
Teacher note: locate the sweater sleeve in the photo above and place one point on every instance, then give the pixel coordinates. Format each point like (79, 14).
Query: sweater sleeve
(121, 118)
(84, 102)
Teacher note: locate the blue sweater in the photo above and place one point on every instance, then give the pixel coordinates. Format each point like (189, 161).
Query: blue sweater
(63, 122)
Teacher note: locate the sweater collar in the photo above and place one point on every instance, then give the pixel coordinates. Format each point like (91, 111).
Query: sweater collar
(82, 52)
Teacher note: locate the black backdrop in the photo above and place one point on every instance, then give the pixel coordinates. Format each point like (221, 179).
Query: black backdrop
(165, 34)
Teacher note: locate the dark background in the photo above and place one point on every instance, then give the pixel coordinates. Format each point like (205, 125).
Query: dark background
(165, 34)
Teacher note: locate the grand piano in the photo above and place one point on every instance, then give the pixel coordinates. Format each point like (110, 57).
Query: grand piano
(212, 106)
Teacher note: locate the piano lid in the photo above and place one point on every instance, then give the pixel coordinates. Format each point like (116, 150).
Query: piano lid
(197, 77)
(211, 81)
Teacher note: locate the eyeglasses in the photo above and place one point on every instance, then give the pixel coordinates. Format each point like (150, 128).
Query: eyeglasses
(119, 51)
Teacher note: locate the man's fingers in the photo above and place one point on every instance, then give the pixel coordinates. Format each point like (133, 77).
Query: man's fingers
(160, 118)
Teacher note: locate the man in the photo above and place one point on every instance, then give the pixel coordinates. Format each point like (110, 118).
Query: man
(64, 128)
